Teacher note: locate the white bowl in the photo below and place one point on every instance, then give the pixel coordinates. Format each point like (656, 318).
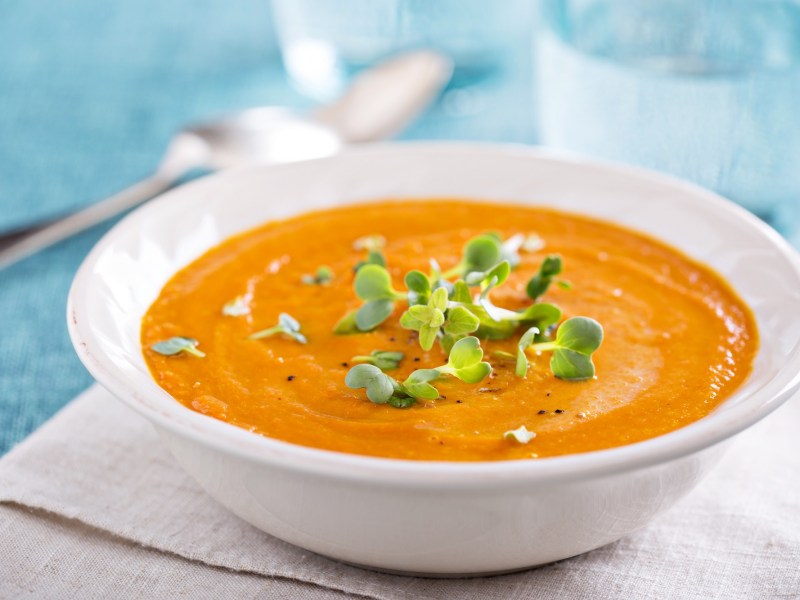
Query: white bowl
(435, 517)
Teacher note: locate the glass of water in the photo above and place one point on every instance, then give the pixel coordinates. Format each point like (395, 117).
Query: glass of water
(325, 42)
(708, 90)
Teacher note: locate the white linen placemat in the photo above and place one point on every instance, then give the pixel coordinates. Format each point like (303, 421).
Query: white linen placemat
(95, 488)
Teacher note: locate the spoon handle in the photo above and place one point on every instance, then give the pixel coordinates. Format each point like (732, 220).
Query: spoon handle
(16, 245)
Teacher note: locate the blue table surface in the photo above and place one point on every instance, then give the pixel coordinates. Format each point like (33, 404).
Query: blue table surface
(90, 93)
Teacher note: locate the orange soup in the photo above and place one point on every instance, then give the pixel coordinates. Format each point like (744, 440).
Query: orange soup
(676, 339)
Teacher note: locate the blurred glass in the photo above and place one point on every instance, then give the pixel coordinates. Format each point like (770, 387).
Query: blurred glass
(325, 42)
(708, 90)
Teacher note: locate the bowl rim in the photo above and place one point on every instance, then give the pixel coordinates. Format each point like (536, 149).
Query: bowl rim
(206, 431)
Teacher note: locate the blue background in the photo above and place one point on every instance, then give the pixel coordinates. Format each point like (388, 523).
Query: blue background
(90, 92)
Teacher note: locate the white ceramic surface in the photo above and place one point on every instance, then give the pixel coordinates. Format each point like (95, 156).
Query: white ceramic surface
(429, 517)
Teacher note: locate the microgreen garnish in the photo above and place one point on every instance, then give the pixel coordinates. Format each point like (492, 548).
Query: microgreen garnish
(238, 307)
(374, 285)
(464, 363)
(287, 325)
(426, 319)
(385, 360)
(323, 276)
(176, 345)
(520, 435)
(549, 269)
(444, 306)
(576, 340)
(481, 253)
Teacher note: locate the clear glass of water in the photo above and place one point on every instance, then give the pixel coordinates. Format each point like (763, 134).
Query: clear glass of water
(325, 42)
(708, 90)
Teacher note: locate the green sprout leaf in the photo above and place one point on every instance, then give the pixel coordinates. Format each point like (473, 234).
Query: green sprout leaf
(426, 319)
(520, 435)
(373, 313)
(347, 325)
(238, 307)
(373, 282)
(418, 384)
(374, 257)
(419, 287)
(323, 276)
(176, 345)
(385, 360)
(538, 284)
(461, 320)
(491, 277)
(465, 359)
(576, 340)
(525, 341)
(287, 325)
(461, 293)
(481, 253)
(379, 386)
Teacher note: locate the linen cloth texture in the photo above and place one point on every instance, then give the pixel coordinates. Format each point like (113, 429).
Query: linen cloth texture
(93, 506)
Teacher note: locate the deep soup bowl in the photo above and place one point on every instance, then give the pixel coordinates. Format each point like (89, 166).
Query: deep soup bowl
(435, 518)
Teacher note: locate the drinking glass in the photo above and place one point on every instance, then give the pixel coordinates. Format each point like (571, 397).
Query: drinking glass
(708, 90)
(324, 42)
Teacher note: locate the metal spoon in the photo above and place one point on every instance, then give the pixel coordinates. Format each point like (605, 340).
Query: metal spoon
(380, 102)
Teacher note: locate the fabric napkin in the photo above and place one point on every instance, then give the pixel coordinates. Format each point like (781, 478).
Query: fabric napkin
(93, 506)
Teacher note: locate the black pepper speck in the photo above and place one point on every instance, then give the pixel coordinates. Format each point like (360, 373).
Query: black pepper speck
(542, 412)
(290, 378)
(559, 411)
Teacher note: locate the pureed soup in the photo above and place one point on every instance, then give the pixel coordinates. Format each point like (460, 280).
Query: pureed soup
(449, 330)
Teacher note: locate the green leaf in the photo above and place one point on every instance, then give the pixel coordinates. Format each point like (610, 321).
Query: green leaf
(176, 345)
(465, 361)
(417, 281)
(374, 257)
(481, 253)
(461, 321)
(493, 277)
(520, 435)
(385, 360)
(417, 384)
(323, 276)
(461, 293)
(538, 284)
(400, 401)
(373, 313)
(474, 373)
(581, 334)
(427, 336)
(571, 365)
(373, 282)
(541, 315)
(379, 386)
(524, 342)
(438, 299)
(287, 325)
(465, 353)
(347, 324)
(238, 307)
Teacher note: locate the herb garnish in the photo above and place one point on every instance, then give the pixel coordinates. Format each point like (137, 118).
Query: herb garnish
(287, 325)
(576, 340)
(178, 344)
(385, 360)
(323, 276)
(538, 284)
(465, 363)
